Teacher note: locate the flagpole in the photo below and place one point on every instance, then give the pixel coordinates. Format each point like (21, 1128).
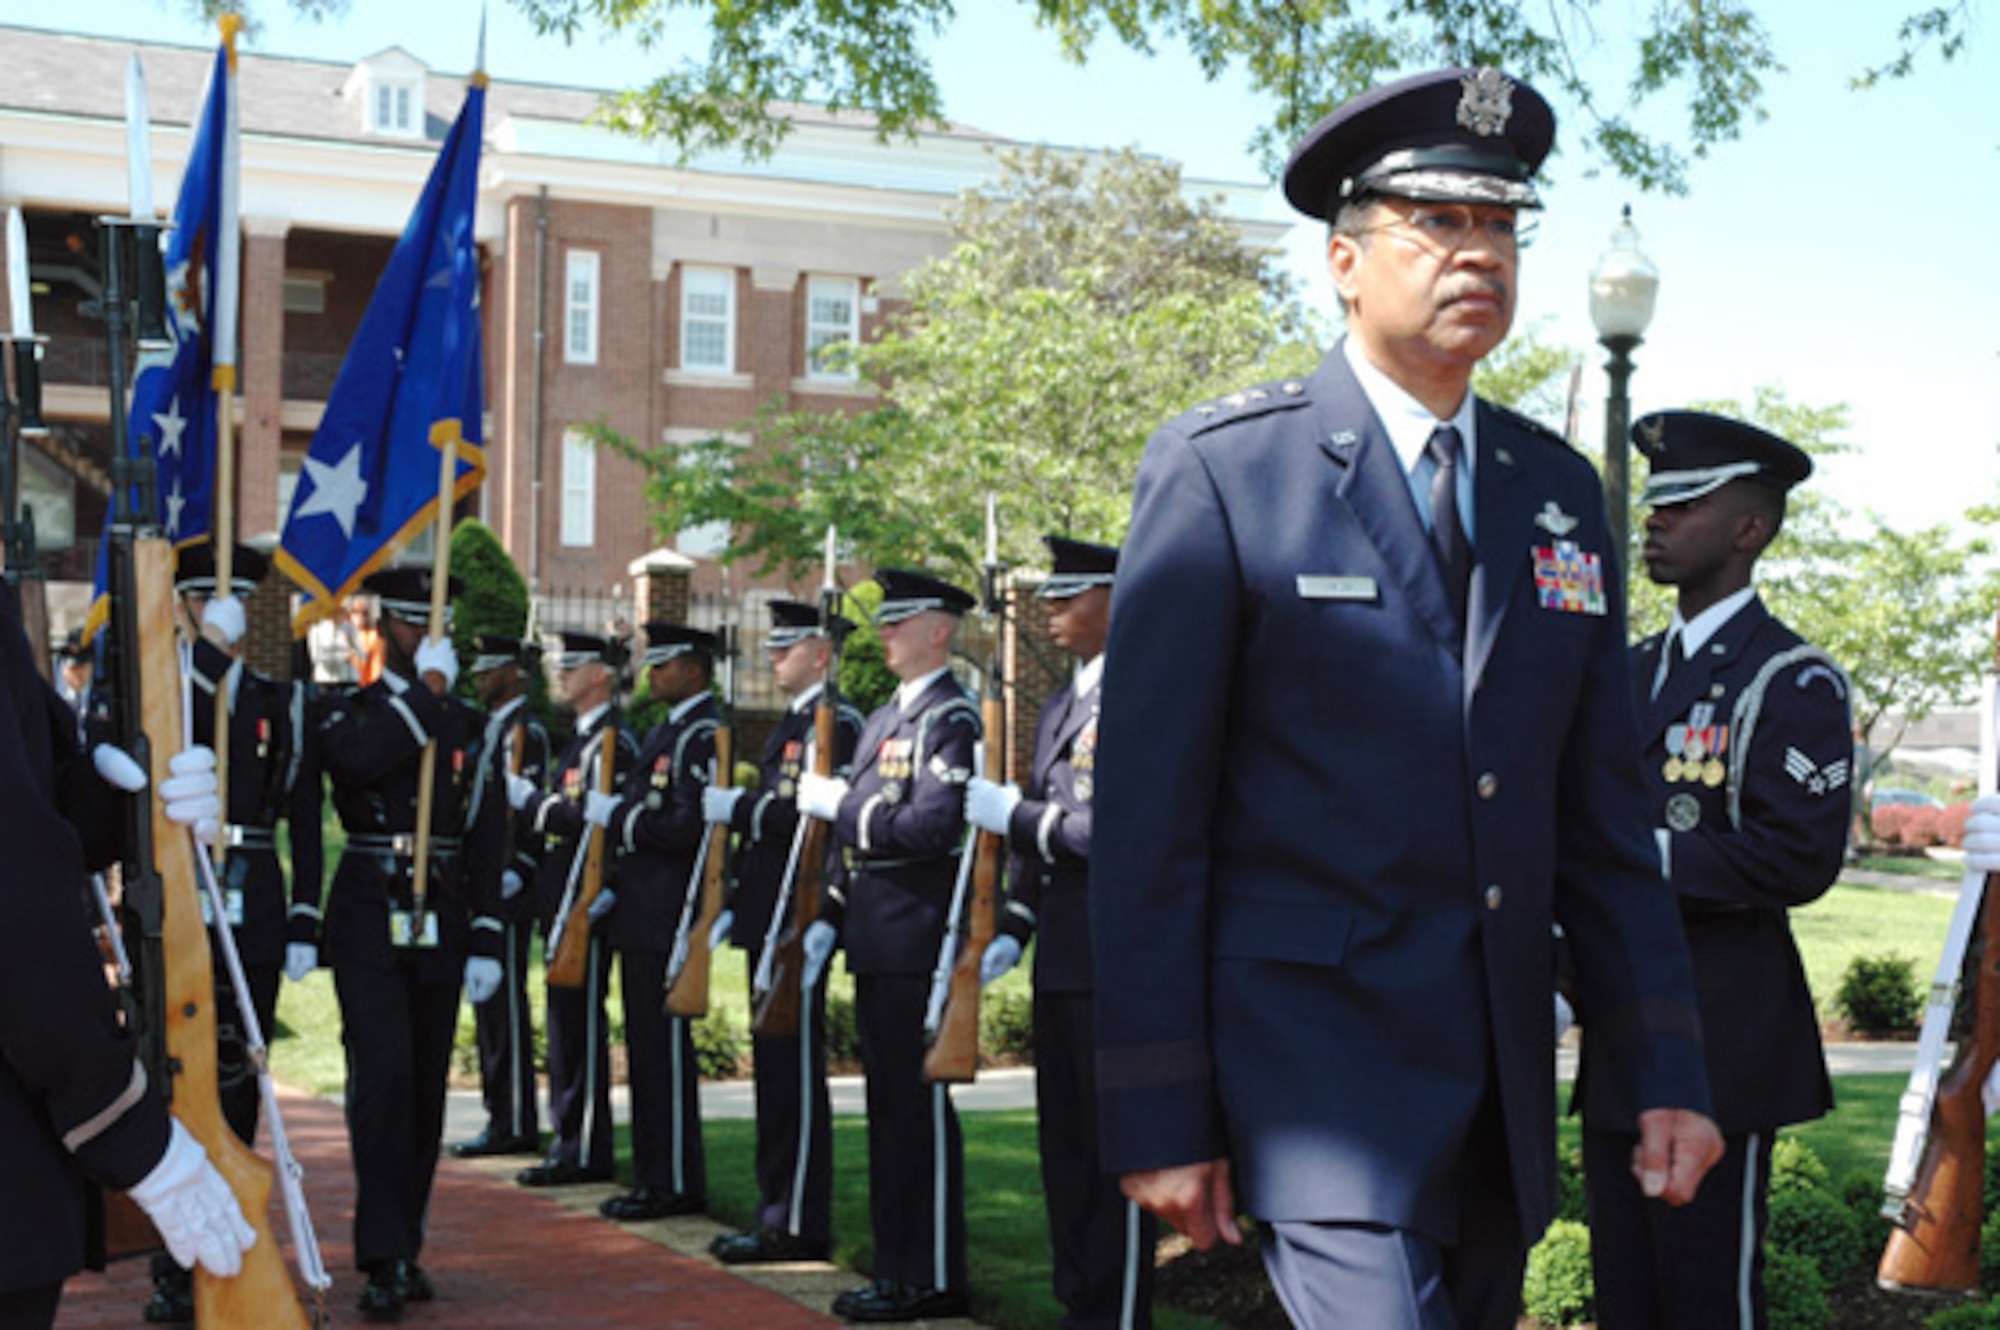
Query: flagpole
(222, 519)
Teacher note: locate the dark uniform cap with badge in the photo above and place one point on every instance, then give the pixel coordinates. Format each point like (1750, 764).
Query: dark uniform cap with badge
(72, 647)
(906, 594)
(1079, 566)
(1449, 136)
(497, 649)
(1694, 453)
(792, 622)
(575, 650)
(666, 640)
(194, 569)
(405, 593)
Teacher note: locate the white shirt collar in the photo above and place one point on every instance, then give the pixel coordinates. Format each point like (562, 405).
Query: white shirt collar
(1407, 421)
(909, 691)
(686, 704)
(397, 683)
(805, 699)
(1092, 671)
(589, 718)
(1694, 634)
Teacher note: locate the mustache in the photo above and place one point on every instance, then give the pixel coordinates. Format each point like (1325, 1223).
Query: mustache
(1476, 284)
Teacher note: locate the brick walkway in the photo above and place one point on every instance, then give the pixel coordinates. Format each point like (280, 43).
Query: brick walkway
(504, 1257)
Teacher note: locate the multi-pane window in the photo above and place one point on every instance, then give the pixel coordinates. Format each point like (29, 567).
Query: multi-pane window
(579, 489)
(833, 318)
(395, 108)
(580, 309)
(708, 320)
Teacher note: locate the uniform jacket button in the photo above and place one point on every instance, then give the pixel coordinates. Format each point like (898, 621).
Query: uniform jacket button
(1493, 897)
(1488, 786)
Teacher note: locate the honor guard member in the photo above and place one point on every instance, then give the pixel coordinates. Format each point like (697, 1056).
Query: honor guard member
(579, 1051)
(76, 1105)
(794, 1165)
(900, 823)
(75, 665)
(272, 774)
(654, 821)
(1102, 1242)
(1748, 750)
(396, 971)
(1366, 737)
(516, 742)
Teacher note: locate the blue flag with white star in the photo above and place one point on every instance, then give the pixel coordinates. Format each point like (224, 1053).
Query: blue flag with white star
(412, 383)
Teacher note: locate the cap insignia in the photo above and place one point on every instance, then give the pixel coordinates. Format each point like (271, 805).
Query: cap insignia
(1653, 431)
(1485, 101)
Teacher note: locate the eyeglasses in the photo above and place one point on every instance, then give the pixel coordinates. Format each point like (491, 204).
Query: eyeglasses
(1451, 227)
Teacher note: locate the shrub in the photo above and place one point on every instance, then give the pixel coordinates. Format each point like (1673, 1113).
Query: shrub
(1794, 1167)
(1951, 825)
(1886, 821)
(718, 1047)
(1007, 1022)
(1814, 1224)
(1570, 1202)
(1966, 1316)
(843, 1034)
(1922, 828)
(1879, 995)
(1794, 1293)
(1557, 1289)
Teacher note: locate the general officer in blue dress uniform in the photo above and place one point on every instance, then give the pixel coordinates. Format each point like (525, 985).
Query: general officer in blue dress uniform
(1367, 736)
(1748, 753)
(397, 968)
(580, 1145)
(516, 743)
(900, 823)
(655, 823)
(76, 1104)
(273, 773)
(794, 1164)
(1101, 1241)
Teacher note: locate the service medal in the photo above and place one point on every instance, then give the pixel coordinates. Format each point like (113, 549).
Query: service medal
(788, 789)
(1672, 770)
(1084, 785)
(1683, 812)
(1695, 749)
(1713, 772)
(892, 792)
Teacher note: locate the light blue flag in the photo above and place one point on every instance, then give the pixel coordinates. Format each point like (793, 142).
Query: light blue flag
(411, 384)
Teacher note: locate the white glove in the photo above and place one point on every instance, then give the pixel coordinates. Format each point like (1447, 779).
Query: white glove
(719, 931)
(718, 804)
(117, 769)
(988, 806)
(510, 884)
(1565, 1017)
(437, 655)
(818, 948)
(193, 1208)
(1982, 835)
(225, 615)
(602, 904)
(519, 791)
(820, 796)
(301, 959)
(598, 808)
(189, 794)
(482, 978)
(1002, 954)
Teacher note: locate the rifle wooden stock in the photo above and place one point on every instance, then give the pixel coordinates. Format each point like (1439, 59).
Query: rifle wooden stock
(566, 967)
(778, 1014)
(954, 1055)
(1934, 1247)
(262, 1295)
(687, 994)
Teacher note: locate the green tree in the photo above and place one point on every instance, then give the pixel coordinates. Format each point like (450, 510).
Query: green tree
(1080, 308)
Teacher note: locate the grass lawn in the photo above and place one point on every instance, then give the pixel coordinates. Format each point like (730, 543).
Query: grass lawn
(1853, 920)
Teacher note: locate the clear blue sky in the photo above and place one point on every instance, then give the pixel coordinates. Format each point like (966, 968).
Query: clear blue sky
(1840, 250)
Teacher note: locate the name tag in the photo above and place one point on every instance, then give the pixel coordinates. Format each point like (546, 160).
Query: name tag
(405, 931)
(1325, 586)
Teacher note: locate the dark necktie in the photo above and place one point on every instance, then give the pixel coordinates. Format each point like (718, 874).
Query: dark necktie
(1448, 542)
(1670, 656)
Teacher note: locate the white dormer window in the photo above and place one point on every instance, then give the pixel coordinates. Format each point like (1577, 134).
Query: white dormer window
(388, 90)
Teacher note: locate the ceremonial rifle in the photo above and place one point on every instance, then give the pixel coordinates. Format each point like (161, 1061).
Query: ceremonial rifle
(951, 1020)
(23, 412)
(688, 966)
(176, 1017)
(1937, 1165)
(569, 945)
(775, 988)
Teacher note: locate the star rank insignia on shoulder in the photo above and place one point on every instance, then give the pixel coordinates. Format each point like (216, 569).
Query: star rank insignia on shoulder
(1245, 405)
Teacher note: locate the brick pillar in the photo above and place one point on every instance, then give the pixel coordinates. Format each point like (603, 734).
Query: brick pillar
(267, 644)
(660, 586)
(261, 376)
(1036, 670)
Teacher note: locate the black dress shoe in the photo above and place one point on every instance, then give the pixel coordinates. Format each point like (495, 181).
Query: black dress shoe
(884, 1302)
(764, 1246)
(555, 1173)
(413, 1283)
(643, 1203)
(381, 1297)
(172, 1302)
(488, 1143)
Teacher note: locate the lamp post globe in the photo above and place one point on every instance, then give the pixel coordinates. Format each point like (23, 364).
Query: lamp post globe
(1622, 289)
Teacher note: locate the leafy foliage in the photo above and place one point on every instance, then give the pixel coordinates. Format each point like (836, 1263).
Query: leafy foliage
(1794, 1292)
(1814, 1224)
(1558, 1288)
(1879, 995)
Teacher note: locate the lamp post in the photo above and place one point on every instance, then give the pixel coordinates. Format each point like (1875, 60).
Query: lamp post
(1622, 287)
